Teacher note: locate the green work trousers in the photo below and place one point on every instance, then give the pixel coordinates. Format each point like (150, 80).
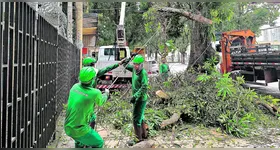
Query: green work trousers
(138, 112)
(91, 139)
(164, 77)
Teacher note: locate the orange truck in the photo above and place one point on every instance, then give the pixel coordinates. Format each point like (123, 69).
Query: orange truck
(243, 57)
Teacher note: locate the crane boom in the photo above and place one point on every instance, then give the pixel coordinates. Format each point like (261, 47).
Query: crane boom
(122, 14)
(120, 28)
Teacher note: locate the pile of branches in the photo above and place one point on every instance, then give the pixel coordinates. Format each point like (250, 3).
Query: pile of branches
(210, 98)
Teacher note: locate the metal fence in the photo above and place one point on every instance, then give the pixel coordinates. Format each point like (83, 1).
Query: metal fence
(38, 68)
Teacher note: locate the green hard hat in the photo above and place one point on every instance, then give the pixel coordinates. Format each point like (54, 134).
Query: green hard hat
(88, 61)
(138, 59)
(87, 74)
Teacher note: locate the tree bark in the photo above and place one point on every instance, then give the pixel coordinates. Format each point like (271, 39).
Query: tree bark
(186, 14)
(200, 42)
(271, 109)
(183, 57)
(156, 55)
(179, 57)
(79, 28)
(173, 119)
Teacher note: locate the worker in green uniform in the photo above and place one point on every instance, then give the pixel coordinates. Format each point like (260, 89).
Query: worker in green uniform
(90, 61)
(139, 97)
(81, 101)
(164, 69)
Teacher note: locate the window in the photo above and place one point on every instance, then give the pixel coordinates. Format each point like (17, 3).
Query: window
(115, 54)
(109, 51)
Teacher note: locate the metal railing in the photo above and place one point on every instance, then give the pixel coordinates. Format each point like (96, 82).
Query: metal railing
(38, 68)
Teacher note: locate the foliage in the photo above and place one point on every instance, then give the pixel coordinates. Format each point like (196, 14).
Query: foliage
(211, 98)
(108, 20)
(214, 99)
(244, 15)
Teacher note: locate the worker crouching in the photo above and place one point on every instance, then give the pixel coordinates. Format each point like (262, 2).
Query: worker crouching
(81, 101)
(139, 97)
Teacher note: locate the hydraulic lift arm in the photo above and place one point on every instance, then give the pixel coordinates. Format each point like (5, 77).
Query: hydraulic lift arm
(120, 28)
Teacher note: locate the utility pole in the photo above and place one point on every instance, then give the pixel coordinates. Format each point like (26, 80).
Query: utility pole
(79, 28)
(116, 21)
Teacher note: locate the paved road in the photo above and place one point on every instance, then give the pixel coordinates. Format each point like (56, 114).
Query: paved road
(271, 89)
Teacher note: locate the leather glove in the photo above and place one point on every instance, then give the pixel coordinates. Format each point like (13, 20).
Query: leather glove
(122, 61)
(133, 100)
(133, 54)
(125, 61)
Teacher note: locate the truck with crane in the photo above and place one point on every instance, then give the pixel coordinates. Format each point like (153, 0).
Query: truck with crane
(111, 54)
(242, 56)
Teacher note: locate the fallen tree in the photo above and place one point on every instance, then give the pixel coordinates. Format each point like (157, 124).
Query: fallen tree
(189, 15)
(213, 100)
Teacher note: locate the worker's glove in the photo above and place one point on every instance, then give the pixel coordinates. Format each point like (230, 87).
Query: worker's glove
(125, 61)
(107, 91)
(133, 55)
(122, 61)
(133, 100)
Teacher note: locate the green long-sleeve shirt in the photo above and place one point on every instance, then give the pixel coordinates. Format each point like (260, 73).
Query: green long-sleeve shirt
(139, 83)
(80, 109)
(164, 68)
(103, 71)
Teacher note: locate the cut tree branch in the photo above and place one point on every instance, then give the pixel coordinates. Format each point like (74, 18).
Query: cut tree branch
(272, 110)
(173, 119)
(186, 14)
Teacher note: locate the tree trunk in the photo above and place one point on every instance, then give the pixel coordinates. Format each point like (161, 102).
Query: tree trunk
(164, 39)
(179, 57)
(156, 53)
(200, 42)
(183, 57)
(79, 28)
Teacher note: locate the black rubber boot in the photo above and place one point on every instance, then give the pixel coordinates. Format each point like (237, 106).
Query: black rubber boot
(138, 133)
(144, 131)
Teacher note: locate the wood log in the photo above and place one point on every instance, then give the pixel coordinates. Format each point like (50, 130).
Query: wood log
(173, 119)
(162, 94)
(275, 109)
(267, 107)
(144, 144)
(186, 14)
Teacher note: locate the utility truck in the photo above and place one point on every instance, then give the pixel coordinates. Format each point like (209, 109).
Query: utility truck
(112, 54)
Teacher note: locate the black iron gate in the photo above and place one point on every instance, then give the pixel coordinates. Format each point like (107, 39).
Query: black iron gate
(38, 67)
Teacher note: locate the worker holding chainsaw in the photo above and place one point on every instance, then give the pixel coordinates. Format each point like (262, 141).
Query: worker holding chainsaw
(164, 69)
(81, 101)
(139, 97)
(90, 61)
